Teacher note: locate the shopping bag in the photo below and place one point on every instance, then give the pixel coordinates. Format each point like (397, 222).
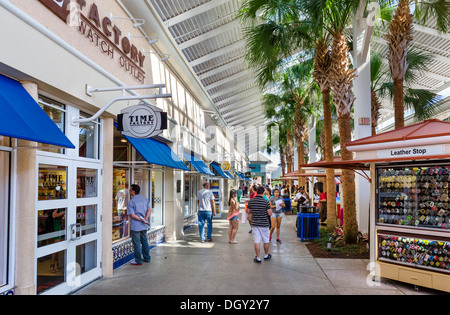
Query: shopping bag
(244, 217)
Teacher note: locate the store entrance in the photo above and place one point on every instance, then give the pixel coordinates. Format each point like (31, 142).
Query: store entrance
(68, 253)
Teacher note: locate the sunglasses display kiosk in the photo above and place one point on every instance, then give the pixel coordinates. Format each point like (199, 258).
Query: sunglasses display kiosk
(409, 203)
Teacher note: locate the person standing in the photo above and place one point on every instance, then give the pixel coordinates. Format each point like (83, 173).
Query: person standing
(206, 206)
(139, 210)
(233, 216)
(261, 212)
(302, 198)
(276, 204)
(322, 205)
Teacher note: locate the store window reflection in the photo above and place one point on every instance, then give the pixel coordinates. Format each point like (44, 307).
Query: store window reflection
(52, 182)
(86, 183)
(157, 217)
(50, 271)
(51, 226)
(89, 138)
(121, 197)
(57, 113)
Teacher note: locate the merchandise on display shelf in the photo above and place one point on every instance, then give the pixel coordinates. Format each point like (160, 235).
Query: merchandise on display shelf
(411, 250)
(415, 196)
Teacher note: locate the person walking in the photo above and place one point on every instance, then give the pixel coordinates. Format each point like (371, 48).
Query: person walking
(261, 212)
(276, 204)
(233, 216)
(206, 207)
(139, 210)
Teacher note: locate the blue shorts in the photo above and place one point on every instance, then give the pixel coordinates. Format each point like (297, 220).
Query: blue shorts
(235, 218)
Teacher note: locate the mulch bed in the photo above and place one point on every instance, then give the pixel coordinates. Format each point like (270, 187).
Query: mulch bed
(318, 252)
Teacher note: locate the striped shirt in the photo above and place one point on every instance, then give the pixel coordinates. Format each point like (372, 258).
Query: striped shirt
(259, 207)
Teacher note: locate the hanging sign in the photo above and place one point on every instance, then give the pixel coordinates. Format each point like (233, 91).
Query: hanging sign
(142, 121)
(226, 166)
(411, 151)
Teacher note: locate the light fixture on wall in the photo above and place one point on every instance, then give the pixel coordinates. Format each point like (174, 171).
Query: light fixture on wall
(151, 40)
(137, 22)
(164, 57)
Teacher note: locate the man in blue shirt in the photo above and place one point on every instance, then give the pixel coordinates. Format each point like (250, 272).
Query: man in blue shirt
(139, 210)
(206, 208)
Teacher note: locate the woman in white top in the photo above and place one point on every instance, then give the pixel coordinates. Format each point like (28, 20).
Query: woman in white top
(277, 204)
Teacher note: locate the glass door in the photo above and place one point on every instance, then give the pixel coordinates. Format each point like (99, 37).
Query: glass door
(68, 225)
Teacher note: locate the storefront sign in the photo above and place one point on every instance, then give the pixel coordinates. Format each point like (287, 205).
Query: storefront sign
(411, 151)
(102, 33)
(142, 121)
(226, 166)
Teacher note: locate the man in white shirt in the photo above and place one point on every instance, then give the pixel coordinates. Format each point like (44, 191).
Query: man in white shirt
(301, 197)
(206, 206)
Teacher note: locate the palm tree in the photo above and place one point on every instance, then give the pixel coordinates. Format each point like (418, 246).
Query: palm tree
(277, 110)
(335, 16)
(284, 29)
(299, 91)
(400, 36)
(423, 101)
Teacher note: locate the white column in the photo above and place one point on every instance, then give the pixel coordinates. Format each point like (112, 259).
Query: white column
(107, 197)
(26, 211)
(362, 106)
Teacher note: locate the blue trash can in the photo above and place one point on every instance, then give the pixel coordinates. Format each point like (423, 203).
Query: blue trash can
(307, 226)
(287, 203)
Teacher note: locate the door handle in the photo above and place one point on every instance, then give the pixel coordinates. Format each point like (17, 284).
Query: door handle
(75, 231)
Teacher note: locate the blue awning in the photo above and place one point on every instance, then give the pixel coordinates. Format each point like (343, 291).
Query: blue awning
(23, 118)
(240, 175)
(156, 152)
(219, 170)
(229, 175)
(198, 164)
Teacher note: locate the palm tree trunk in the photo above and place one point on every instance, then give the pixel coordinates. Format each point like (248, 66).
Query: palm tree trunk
(348, 184)
(398, 39)
(322, 64)
(376, 107)
(283, 161)
(329, 156)
(399, 107)
(342, 78)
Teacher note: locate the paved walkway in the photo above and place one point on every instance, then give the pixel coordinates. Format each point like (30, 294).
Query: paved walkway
(189, 267)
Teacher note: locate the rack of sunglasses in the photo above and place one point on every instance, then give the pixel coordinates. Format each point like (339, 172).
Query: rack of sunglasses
(410, 250)
(414, 196)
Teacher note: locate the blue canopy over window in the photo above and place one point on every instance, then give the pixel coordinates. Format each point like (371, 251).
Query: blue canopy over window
(156, 152)
(219, 170)
(229, 175)
(198, 164)
(23, 118)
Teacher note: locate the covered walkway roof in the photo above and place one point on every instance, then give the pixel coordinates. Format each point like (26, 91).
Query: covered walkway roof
(208, 39)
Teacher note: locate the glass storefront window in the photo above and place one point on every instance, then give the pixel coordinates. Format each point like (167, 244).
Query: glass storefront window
(86, 183)
(86, 257)
(88, 138)
(121, 197)
(51, 226)
(50, 271)
(57, 113)
(52, 182)
(87, 218)
(187, 194)
(157, 201)
(4, 215)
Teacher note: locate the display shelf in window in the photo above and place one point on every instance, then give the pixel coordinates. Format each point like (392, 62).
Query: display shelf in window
(414, 196)
(410, 250)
